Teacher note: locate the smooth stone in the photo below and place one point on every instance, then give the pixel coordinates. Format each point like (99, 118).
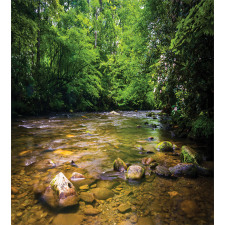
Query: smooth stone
(89, 210)
(68, 219)
(145, 221)
(19, 214)
(162, 171)
(87, 197)
(124, 208)
(102, 193)
(14, 190)
(76, 176)
(184, 169)
(107, 184)
(135, 172)
(84, 187)
(190, 208)
(147, 161)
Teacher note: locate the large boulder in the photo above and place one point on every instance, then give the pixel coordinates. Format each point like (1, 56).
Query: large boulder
(135, 172)
(189, 155)
(119, 165)
(184, 169)
(189, 170)
(60, 192)
(165, 146)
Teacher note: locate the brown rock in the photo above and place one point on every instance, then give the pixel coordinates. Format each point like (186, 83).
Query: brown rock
(89, 210)
(124, 208)
(68, 219)
(145, 221)
(133, 219)
(189, 207)
(147, 161)
(87, 197)
(102, 193)
(14, 190)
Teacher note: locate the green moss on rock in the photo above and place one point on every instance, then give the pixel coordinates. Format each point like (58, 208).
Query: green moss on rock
(135, 172)
(119, 165)
(165, 146)
(189, 155)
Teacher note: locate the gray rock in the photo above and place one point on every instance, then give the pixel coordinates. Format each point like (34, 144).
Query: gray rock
(61, 192)
(135, 172)
(162, 171)
(184, 169)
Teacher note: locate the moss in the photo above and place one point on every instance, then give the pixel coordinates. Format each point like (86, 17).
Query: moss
(165, 146)
(188, 155)
(119, 165)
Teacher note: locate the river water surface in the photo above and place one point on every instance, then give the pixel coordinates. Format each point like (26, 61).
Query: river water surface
(93, 141)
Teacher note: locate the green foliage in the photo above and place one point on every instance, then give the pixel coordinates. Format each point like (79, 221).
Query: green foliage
(202, 127)
(101, 55)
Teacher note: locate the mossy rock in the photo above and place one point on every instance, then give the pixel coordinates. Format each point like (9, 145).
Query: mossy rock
(189, 155)
(135, 172)
(165, 146)
(119, 165)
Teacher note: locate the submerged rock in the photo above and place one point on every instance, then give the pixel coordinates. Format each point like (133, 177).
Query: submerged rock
(135, 172)
(111, 175)
(162, 171)
(45, 164)
(184, 169)
(189, 170)
(61, 192)
(89, 210)
(119, 165)
(124, 208)
(147, 161)
(165, 146)
(76, 176)
(68, 218)
(189, 207)
(87, 197)
(102, 193)
(189, 155)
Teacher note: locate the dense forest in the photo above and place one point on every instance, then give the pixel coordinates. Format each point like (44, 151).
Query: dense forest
(95, 55)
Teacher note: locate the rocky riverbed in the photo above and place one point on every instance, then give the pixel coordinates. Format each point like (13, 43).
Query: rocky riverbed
(84, 147)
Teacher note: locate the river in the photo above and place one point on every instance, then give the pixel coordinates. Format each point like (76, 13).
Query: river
(93, 141)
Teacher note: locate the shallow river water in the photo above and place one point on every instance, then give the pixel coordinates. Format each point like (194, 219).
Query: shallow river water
(93, 141)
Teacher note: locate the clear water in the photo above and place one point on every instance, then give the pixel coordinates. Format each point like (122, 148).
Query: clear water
(93, 141)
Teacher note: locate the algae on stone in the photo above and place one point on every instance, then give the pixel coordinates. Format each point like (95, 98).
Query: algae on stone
(135, 172)
(189, 155)
(165, 146)
(119, 165)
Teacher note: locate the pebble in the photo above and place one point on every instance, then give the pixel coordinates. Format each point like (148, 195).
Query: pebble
(14, 190)
(19, 214)
(84, 187)
(133, 219)
(124, 208)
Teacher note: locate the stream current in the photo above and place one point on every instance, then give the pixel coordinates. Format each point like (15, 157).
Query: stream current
(93, 141)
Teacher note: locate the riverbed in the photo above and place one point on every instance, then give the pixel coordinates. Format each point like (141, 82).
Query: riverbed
(93, 141)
